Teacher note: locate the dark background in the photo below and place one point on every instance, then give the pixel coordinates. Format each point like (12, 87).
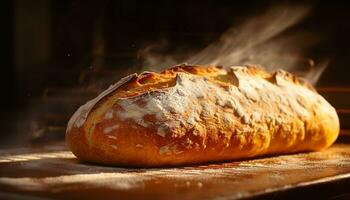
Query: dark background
(56, 53)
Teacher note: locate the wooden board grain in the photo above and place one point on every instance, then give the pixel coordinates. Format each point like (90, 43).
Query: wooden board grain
(52, 172)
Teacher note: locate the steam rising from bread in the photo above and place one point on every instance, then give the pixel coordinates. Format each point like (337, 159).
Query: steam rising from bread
(257, 41)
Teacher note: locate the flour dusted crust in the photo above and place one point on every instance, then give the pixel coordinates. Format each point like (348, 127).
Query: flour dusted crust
(195, 114)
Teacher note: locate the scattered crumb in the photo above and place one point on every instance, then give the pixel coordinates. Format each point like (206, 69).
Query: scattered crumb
(188, 183)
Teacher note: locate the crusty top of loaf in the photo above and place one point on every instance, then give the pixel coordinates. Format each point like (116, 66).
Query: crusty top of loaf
(180, 97)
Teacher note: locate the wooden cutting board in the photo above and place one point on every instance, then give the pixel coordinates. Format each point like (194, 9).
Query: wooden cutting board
(52, 172)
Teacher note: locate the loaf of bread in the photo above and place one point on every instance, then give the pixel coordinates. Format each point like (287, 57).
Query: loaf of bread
(195, 114)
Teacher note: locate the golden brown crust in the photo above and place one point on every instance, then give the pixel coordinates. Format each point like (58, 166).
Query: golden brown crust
(194, 114)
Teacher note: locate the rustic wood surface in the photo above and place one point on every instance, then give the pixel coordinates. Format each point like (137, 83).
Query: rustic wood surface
(52, 172)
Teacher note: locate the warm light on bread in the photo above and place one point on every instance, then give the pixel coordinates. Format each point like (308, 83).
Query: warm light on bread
(194, 114)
